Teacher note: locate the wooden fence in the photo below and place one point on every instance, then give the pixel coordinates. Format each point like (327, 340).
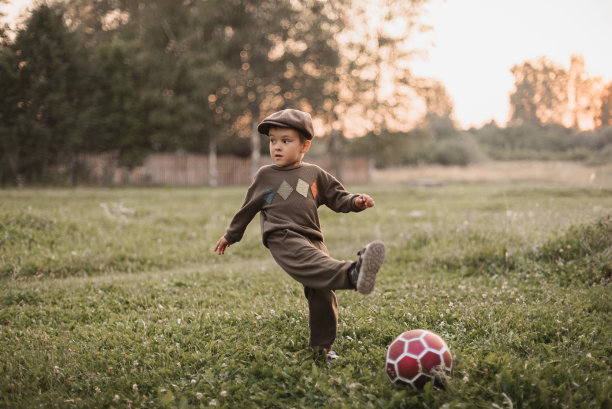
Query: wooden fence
(194, 169)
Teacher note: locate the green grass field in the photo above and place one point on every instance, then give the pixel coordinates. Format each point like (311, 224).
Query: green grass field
(114, 298)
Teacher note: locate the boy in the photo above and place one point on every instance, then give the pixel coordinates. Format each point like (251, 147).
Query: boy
(287, 194)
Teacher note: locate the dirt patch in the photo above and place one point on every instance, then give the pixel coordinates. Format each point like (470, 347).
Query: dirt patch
(516, 171)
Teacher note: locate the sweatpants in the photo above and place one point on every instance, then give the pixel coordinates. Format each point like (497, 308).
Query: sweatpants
(308, 262)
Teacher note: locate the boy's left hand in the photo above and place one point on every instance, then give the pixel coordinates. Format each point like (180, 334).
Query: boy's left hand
(364, 201)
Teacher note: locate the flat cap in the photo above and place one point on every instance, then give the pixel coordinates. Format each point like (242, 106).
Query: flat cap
(288, 118)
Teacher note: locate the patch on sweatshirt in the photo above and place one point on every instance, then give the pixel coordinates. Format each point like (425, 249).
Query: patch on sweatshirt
(302, 188)
(313, 189)
(269, 195)
(285, 190)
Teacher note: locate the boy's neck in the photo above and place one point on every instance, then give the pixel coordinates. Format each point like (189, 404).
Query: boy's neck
(292, 166)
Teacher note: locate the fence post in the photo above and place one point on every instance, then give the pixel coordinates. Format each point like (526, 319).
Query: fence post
(212, 162)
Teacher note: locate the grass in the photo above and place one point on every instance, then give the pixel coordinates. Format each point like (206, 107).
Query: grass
(114, 298)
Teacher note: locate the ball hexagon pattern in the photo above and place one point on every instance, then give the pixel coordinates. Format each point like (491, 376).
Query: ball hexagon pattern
(417, 357)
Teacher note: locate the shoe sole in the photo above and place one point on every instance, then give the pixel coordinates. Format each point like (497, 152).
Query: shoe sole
(372, 259)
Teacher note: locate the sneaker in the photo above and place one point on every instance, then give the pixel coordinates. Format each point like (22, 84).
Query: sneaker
(329, 355)
(363, 274)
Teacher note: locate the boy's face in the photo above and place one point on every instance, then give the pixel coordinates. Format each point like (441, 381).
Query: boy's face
(286, 148)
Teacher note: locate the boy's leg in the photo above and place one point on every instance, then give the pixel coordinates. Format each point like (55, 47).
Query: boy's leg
(309, 262)
(322, 318)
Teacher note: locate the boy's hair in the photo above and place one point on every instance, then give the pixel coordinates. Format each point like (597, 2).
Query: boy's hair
(289, 118)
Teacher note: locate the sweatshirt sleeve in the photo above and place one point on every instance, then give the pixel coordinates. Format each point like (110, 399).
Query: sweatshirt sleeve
(335, 196)
(250, 207)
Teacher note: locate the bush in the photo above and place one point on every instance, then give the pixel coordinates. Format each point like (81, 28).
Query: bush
(460, 150)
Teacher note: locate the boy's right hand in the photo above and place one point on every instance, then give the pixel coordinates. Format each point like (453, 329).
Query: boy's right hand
(222, 244)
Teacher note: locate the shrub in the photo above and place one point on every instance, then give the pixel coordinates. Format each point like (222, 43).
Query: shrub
(460, 150)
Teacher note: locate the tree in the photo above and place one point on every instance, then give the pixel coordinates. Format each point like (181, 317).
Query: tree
(605, 113)
(9, 141)
(116, 123)
(540, 94)
(584, 95)
(51, 90)
(375, 86)
(279, 54)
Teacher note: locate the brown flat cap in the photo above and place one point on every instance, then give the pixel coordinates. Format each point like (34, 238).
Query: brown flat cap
(288, 118)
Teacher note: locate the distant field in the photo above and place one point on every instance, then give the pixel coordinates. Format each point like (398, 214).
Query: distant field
(114, 298)
(567, 173)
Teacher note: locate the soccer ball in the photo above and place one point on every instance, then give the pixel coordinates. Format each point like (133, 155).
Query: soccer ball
(417, 357)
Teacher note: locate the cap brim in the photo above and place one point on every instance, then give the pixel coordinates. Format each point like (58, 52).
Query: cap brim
(264, 127)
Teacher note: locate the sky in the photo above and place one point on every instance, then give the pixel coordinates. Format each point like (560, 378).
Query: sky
(474, 43)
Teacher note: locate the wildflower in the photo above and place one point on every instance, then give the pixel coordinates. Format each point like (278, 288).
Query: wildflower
(134, 387)
(223, 393)
(199, 395)
(116, 399)
(193, 381)
(98, 390)
(212, 402)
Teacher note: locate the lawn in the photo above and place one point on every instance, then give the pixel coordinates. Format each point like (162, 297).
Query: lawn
(114, 298)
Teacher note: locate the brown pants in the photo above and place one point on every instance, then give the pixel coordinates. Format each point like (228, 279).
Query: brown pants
(308, 262)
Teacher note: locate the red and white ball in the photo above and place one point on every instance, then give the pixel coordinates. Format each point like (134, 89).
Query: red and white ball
(417, 357)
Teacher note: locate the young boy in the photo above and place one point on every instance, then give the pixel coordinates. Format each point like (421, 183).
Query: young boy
(287, 195)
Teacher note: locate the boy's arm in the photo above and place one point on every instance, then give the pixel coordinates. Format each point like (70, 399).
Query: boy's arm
(337, 198)
(250, 207)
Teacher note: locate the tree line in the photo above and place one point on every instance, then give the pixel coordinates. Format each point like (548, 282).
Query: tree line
(556, 113)
(198, 75)
(546, 93)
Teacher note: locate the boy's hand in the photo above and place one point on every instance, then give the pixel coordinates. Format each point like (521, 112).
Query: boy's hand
(364, 201)
(222, 244)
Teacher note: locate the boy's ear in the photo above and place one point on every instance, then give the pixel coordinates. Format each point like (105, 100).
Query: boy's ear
(306, 146)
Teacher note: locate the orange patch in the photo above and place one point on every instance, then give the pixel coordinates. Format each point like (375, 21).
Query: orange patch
(313, 189)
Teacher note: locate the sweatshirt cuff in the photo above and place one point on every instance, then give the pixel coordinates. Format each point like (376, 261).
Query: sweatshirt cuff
(356, 209)
(229, 239)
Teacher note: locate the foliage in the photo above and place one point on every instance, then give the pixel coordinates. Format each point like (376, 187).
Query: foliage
(375, 51)
(126, 305)
(552, 142)
(546, 93)
(136, 77)
(49, 104)
(540, 92)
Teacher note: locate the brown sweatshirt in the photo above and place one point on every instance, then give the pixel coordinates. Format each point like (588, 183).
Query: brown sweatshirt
(288, 198)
